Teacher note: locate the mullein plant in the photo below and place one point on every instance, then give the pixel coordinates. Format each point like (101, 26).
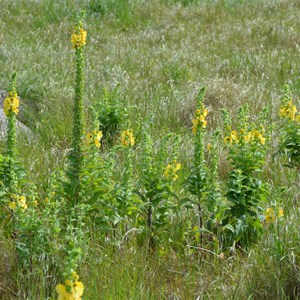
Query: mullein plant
(96, 179)
(74, 217)
(76, 159)
(124, 189)
(11, 173)
(290, 131)
(246, 191)
(215, 202)
(197, 180)
(154, 188)
(11, 110)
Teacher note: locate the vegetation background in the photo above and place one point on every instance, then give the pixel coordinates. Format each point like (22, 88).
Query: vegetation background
(155, 55)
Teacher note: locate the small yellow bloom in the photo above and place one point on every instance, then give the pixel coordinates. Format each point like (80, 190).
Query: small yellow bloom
(297, 119)
(197, 112)
(47, 200)
(262, 140)
(195, 122)
(280, 212)
(88, 138)
(22, 200)
(257, 134)
(34, 203)
(70, 291)
(288, 110)
(11, 103)
(234, 136)
(12, 205)
(205, 112)
(127, 138)
(171, 169)
(247, 137)
(200, 118)
(78, 38)
(228, 140)
(270, 215)
(98, 135)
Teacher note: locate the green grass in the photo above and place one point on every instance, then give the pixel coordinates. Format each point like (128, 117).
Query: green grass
(160, 53)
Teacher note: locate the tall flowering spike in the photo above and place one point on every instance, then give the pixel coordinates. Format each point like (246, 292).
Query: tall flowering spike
(78, 40)
(11, 109)
(199, 125)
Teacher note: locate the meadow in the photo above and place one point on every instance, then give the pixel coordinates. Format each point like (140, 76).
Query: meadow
(164, 158)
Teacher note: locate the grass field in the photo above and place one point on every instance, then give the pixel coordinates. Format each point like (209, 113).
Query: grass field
(153, 57)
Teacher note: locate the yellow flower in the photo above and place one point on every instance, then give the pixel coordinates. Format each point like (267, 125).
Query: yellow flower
(171, 169)
(93, 138)
(167, 170)
(234, 136)
(98, 134)
(288, 110)
(97, 143)
(195, 122)
(297, 119)
(197, 112)
(262, 140)
(257, 134)
(77, 290)
(62, 293)
(78, 38)
(11, 103)
(12, 205)
(228, 140)
(70, 291)
(22, 202)
(88, 138)
(34, 203)
(259, 137)
(270, 215)
(97, 137)
(127, 138)
(200, 115)
(47, 200)
(22, 199)
(280, 212)
(177, 166)
(247, 137)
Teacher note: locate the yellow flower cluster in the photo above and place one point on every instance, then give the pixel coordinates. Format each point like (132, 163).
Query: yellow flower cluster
(200, 118)
(72, 290)
(78, 38)
(171, 170)
(127, 138)
(288, 111)
(11, 103)
(246, 136)
(15, 200)
(94, 138)
(270, 215)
